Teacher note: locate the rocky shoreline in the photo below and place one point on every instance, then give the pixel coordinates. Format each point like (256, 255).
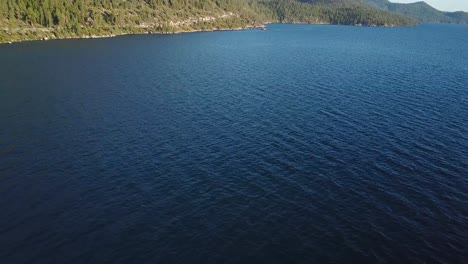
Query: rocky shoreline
(260, 27)
(252, 27)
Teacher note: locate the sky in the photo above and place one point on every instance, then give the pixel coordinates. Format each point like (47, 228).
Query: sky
(443, 5)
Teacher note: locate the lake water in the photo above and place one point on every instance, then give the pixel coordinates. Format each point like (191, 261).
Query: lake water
(299, 144)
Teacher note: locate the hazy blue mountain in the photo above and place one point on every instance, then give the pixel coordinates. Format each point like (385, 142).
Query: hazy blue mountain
(458, 17)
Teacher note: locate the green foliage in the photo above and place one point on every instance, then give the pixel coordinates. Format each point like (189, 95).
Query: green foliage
(421, 11)
(33, 19)
(351, 13)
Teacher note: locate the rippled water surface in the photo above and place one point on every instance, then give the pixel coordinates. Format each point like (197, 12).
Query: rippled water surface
(297, 144)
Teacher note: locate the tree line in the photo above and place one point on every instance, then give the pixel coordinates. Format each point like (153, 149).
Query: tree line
(68, 18)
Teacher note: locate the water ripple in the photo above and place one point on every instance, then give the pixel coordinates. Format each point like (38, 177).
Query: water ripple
(296, 144)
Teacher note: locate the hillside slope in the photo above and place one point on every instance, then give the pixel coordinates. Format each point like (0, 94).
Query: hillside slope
(421, 11)
(44, 19)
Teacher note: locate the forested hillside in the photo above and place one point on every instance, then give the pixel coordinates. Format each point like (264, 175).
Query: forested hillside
(333, 12)
(421, 11)
(43, 19)
(458, 17)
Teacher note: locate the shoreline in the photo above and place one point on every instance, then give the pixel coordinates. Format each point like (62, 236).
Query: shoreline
(113, 35)
(249, 27)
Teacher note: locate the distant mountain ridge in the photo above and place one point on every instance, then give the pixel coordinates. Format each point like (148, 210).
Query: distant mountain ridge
(421, 11)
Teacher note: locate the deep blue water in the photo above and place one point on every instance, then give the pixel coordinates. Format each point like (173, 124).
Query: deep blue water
(298, 144)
